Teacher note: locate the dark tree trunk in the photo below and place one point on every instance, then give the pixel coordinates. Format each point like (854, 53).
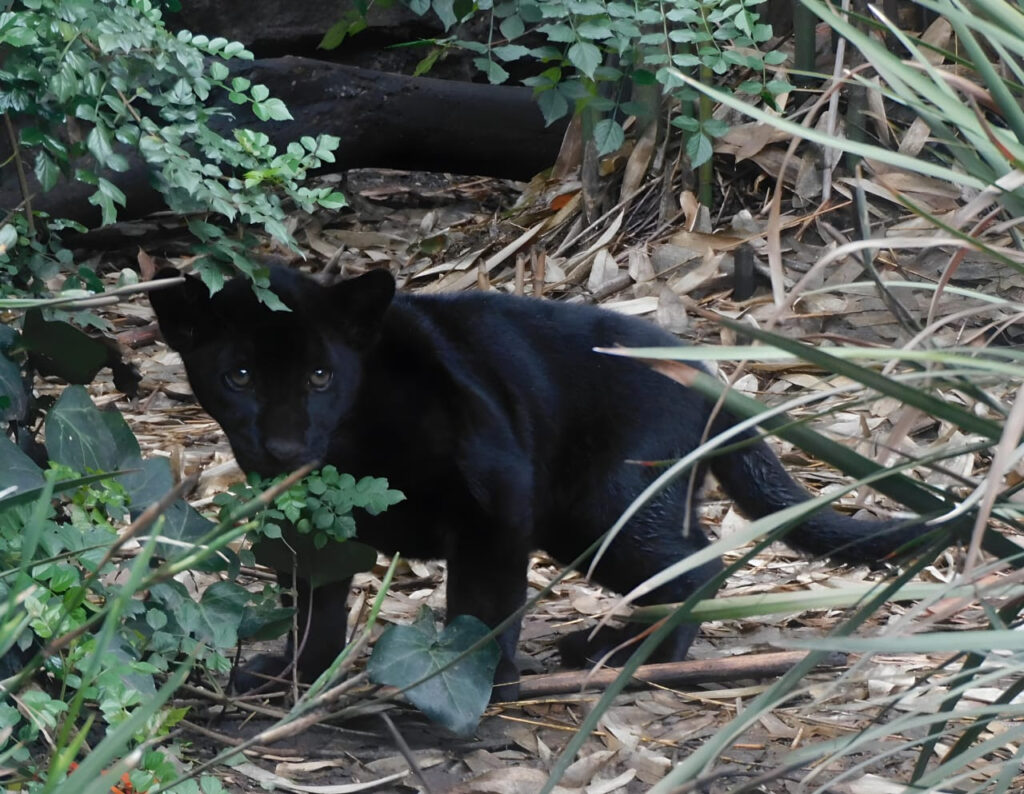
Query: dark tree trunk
(383, 120)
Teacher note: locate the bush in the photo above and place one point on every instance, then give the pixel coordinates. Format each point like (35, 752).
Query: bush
(87, 87)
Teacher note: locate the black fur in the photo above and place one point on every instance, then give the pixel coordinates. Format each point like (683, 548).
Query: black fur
(494, 416)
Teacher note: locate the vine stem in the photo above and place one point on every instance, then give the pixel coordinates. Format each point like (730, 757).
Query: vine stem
(19, 166)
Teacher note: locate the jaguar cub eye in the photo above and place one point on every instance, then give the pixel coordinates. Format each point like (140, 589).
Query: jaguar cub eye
(320, 378)
(239, 378)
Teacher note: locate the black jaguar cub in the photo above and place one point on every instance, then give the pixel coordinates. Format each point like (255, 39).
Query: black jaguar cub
(504, 429)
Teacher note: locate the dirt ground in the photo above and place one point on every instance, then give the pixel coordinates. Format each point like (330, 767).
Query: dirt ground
(441, 233)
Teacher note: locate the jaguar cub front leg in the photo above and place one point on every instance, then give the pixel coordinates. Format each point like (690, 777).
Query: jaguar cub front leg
(322, 629)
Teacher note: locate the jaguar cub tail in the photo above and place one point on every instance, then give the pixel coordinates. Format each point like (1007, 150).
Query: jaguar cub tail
(757, 482)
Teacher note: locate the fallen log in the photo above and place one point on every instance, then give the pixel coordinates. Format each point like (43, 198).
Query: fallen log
(383, 120)
(686, 673)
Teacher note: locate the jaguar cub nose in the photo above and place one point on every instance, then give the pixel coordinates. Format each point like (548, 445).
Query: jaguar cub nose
(289, 452)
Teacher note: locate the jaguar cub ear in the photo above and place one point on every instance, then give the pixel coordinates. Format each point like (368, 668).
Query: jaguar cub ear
(361, 303)
(183, 310)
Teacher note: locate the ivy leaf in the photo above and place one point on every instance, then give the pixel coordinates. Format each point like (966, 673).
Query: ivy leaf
(58, 348)
(456, 697)
(76, 434)
(12, 388)
(18, 468)
(222, 607)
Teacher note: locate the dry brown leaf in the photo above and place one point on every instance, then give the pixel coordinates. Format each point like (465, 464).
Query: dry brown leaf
(638, 162)
(512, 780)
(692, 277)
(641, 269)
(702, 243)
(603, 270)
(269, 779)
(581, 772)
(745, 140)
(915, 138)
(147, 265)
(671, 313)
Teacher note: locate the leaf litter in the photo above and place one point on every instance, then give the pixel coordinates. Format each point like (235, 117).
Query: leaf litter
(443, 233)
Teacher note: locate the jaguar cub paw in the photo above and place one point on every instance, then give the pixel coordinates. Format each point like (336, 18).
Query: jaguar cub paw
(265, 672)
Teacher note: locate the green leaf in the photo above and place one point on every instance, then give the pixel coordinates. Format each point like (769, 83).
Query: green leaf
(699, 149)
(222, 607)
(553, 105)
(20, 472)
(494, 71)
(76, 434)
(454, 697)
(219, 71)
(273, 110)
(510, 52)
(445, 10)
(15, 30)
(46, 171)
(512, 27)
(585, 56)
(98, 143)
(12, 387)
(333, 201)
(8, 237)
(58, 348)
(608, 136)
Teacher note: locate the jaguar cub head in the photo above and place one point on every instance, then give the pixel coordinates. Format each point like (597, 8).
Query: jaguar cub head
(278, 382)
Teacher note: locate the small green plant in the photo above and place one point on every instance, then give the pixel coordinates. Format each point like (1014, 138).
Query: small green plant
(447, 674)
(319, 505)
(87, 86)
(589, 52)
(310, 527)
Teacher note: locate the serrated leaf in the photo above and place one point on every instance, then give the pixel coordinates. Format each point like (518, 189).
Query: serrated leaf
(699, 149)
(46, 171)
(456, 697)
(585, 56)
(445, 10)
(553, 105)
(608, 136)
(98, 143)
(8, 237)
(494, 71)
(510, 52)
